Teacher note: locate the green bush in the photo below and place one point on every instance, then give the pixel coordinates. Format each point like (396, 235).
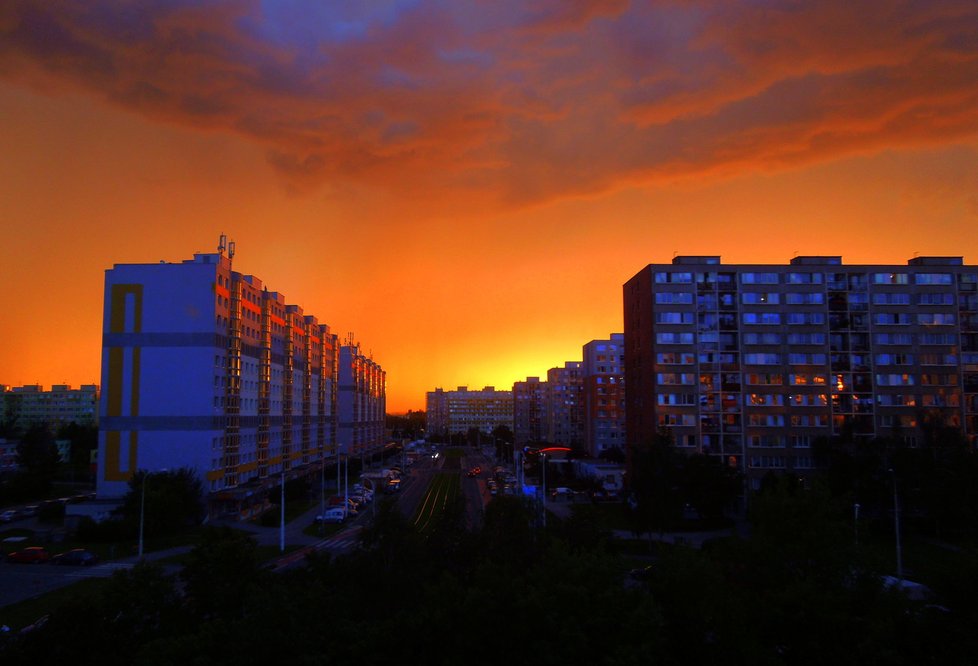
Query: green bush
(109, 531)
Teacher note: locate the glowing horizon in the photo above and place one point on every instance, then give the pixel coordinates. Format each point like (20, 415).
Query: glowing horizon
(467, 187)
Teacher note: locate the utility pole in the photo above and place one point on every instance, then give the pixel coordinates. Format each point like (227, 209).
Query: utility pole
(543, 457)
(142, 513)
(322, 489)
(896, 525)
(281, 529)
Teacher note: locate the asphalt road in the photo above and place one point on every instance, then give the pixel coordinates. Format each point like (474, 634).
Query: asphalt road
(24, 581)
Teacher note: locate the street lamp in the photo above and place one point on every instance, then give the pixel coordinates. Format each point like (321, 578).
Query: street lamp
(142, 509)
(322, 489)
(896, 525)
(281, 529)
(142, 512)
(543, 457)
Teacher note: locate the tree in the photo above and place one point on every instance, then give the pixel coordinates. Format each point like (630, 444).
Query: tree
(221, 573)
(407, 426)
(503, 437)
(509, 537)
(389, 539)
(173, 501)
(655, 485)
(709, 486)
(84, 440)
(37, 452)
(37, 455)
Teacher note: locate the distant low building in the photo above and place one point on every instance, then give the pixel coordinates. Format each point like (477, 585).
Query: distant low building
(26, 406)
(604, 394)
(609, 476)
(8, 455)
(529, 411)
(451, 412)
(565, 405)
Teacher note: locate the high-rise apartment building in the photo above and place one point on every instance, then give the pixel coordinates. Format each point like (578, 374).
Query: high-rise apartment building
(604, 394)
(565, 405)
(754, 362)
(451, 412)
(204, 367)
(361, 402)
(24, 406)
(529, 411)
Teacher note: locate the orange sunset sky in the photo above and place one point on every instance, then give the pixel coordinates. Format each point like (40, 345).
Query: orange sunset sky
(466, 186)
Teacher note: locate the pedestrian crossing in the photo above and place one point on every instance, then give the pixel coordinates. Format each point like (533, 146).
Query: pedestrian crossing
(342, 541)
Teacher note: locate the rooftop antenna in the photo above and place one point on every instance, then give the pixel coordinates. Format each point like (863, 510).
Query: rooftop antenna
(231, 250)
(222, 243)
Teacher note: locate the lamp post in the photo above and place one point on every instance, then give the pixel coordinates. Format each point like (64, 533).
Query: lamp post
(322, 488)
(543, 457)
(142, 512)
(896, 526)
(142, 509)
(281, 529)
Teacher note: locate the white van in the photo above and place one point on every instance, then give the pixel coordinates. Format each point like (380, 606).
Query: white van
(335, 515)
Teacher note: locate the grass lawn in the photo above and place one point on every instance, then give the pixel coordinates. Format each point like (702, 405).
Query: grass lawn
(106, 551)
(328, 530)
(293, 510)
(610, 515)
(19, 615)
(939, 566)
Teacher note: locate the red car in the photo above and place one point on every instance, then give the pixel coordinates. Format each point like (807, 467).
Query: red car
(76, 556)
(29, 555)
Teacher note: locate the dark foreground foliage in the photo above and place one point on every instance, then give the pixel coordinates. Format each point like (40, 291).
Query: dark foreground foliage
(514, 594)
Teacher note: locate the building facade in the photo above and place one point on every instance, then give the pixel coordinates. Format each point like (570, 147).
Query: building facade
(604, 394)
(565, 405)
(529, 411)
(362, 403)
(754, 362)
(24, 406)
(204, 367)
(452, 412)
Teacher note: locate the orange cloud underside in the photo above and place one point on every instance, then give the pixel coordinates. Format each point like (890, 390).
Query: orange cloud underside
(466, 189)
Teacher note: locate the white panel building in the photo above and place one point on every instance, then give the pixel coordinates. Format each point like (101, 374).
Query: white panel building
(204, 367)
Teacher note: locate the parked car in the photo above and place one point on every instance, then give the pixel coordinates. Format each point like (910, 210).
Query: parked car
(641, 573)
(336, 502)
(335, 515)
(76, 557)
(29, 555)
(9, 516)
